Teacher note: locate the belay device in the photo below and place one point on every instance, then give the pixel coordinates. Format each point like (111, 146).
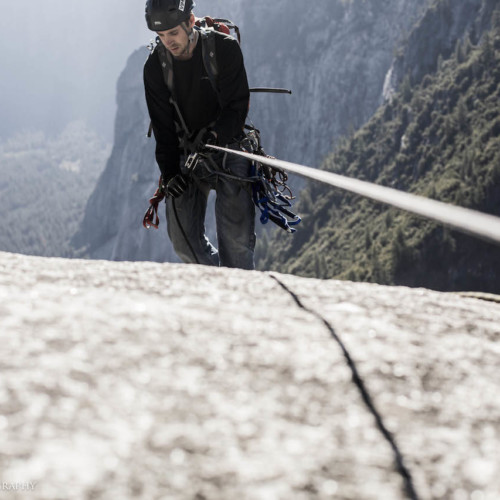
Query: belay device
(270, 191)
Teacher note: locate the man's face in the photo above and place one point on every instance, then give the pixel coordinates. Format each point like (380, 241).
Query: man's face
(176, 40)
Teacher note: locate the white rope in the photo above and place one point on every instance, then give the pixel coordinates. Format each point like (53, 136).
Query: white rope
(468, 221)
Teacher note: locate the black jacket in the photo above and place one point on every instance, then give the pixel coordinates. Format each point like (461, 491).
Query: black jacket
(197, 100)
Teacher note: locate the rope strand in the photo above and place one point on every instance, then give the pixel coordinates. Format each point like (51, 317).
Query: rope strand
(472, 222)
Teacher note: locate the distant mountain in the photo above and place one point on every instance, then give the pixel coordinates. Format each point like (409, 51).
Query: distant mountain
(44, 186)
(333, 54)
(112, 224)
(439, 138)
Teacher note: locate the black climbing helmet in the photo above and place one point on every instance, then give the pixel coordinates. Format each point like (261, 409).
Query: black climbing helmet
(162, 15)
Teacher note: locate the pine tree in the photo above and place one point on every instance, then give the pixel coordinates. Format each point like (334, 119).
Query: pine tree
(406, 92)
(368, 239)
(495, 19)
(459, 53)
(462, 115)
(488, 52)
(467, 46)
(305, 202)
(320, 267)
(440, 62)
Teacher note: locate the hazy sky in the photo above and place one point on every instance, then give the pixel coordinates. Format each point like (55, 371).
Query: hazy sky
(60, 60)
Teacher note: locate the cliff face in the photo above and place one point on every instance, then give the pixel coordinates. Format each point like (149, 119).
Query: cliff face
(436, 35)
(112, 226)
(333, 55)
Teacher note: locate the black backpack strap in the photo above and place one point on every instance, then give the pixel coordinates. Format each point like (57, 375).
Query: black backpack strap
(209, 55)
(167, 68)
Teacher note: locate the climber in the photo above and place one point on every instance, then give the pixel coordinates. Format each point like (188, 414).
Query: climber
(189, 110)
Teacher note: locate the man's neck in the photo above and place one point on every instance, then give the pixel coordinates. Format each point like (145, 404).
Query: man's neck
(189, 54)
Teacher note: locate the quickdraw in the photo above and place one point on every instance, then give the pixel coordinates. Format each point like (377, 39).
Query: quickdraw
(271, 194)
(274, 206)
(151, 218)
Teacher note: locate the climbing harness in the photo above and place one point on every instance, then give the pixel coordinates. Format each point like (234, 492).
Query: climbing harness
(270, 192)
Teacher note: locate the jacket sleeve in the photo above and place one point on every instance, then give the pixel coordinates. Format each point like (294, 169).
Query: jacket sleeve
(234, 95)
(161, 113)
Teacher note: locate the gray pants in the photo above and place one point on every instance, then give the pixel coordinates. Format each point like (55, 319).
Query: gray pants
(234, 216)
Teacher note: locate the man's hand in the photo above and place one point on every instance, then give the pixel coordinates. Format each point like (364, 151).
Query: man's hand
(175, 186)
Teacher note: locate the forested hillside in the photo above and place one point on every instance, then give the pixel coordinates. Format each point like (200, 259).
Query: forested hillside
(441, 139)
(44, 186)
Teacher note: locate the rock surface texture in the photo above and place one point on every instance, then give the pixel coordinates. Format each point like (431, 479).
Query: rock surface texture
(143, 380)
